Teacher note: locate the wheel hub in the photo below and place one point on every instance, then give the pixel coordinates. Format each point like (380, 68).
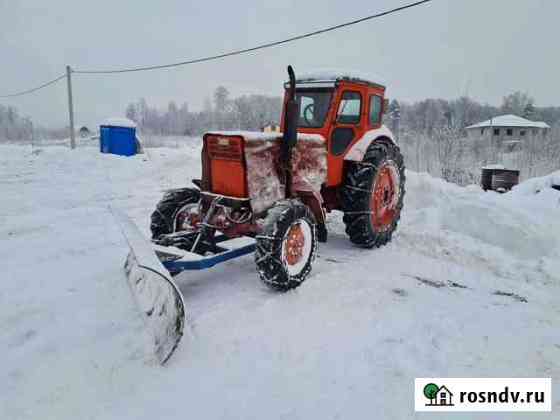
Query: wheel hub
(384, 197)
(294, 245)
(187, 218)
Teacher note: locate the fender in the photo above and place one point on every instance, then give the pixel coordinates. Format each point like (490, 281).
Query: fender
(311, 198)
(357, 151)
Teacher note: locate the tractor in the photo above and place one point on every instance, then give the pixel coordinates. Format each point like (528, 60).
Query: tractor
(270, 193)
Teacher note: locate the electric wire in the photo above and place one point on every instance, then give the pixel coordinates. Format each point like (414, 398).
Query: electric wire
(35, 89)
(223, 55)
(258, 47)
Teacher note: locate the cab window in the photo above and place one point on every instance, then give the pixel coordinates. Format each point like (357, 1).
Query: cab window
(313, 107)
(375, 104)
(349, 108)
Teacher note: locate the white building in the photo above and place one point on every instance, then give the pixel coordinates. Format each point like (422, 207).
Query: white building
(508, 130)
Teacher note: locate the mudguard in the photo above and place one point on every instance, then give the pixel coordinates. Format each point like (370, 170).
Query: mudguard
(156, 295)
(358, 150)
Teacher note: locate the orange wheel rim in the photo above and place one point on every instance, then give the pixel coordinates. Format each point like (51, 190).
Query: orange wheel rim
(294, 245)
(384, 197)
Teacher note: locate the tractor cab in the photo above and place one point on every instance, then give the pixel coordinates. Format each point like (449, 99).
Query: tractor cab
(341, 107)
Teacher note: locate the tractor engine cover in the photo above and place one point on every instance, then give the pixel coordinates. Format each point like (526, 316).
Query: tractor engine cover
(257, 174)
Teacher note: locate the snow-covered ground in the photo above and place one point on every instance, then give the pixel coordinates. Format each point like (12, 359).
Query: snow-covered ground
(470, 286)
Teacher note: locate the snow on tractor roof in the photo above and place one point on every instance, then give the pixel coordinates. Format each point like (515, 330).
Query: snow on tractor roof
(334, 75)
(119, 122)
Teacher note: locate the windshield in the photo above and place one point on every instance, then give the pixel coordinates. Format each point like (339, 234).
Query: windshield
(313, 107)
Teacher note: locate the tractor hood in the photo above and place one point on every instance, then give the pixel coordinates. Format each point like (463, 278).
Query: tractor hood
(262, 160)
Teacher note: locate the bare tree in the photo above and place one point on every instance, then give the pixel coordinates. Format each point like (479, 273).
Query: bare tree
(516, 103)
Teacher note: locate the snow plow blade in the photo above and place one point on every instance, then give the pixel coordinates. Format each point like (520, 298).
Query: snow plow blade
(156, 295)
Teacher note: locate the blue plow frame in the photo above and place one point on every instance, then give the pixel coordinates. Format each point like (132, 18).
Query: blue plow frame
(206, 262)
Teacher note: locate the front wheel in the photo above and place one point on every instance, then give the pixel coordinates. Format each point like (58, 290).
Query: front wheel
(168, 216)
(286, 246)
(372, 196)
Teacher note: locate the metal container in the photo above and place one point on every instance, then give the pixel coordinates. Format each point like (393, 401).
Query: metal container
(486, 179)
(504, 179)
(498, 179)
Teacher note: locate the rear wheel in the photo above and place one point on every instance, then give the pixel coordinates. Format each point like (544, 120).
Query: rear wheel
(286, 246)
(167, 216)
(372, 196)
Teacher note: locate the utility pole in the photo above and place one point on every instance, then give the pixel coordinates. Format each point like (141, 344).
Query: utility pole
(32, 132)
(70, 108)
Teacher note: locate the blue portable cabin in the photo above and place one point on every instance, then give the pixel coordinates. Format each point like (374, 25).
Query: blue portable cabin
(118, 136)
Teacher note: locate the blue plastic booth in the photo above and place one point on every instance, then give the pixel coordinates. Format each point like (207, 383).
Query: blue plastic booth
(118, 136)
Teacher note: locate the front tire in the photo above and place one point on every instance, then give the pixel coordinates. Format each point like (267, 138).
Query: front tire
(163, 218)
(372, 196)
(286, 246)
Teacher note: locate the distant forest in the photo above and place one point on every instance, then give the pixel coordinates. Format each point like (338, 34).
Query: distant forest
(247, 112)
(252, 112)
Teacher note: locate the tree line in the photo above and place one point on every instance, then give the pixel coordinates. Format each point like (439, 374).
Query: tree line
(426, 116)
(252, 112)
(433, 138)
(13, 126)
(246, 112)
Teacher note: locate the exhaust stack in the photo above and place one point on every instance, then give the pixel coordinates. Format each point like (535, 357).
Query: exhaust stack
(289, 139)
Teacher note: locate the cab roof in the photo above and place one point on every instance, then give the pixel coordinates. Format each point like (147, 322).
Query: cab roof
(329, 77)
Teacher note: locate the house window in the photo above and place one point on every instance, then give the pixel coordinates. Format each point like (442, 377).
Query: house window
(509, 132)
(522, 133)
(482, 131)
(496, 131)
(375, 103)
(350, 108)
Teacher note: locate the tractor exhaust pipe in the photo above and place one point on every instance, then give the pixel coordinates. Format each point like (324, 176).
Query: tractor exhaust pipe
(289, 139)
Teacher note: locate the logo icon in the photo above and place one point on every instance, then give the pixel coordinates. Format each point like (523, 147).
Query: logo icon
(439, 396)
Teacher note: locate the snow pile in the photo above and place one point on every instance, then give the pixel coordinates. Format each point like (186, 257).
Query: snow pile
(494, 166)
(537, 185)
(260, 136)
(469, 287)
(509, 230)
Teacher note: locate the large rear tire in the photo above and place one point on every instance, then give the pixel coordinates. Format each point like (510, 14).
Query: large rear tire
(286, 246)
(372, 196)
(164, 217)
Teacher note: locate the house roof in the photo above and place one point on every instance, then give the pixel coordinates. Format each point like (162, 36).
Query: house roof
(509, 121)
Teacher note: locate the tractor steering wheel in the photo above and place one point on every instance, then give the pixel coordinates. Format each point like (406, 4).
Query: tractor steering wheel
(310, 108)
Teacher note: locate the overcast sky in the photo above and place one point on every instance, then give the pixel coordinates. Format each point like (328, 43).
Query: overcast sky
(447, 48)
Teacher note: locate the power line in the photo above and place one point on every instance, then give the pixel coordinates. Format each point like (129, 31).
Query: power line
(258, 47)
(35, 89)
(224, 55)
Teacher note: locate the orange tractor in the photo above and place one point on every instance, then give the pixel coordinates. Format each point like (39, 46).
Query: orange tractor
(269, 193)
